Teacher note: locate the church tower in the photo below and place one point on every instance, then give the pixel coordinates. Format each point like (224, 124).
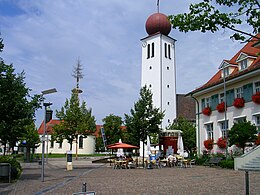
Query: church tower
(158, 65)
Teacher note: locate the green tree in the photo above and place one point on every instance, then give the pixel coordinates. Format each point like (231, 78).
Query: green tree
(144, 120)
(17, 106)
(188, 132)
(241, 133)
(210, 15)
(31, 138)
(75, 120)
(112, 126)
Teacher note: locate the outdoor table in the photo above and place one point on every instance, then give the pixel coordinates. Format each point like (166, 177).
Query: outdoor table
(120, 164)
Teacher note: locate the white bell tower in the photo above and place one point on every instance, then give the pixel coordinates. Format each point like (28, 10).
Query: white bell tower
(158, 66)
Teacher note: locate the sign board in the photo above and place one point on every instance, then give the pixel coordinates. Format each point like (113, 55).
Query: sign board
(69, 156)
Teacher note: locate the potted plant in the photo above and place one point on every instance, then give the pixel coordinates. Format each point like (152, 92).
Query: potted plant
(221, 107)
(208, 143)
(256, 98)
(222, 142)
(257, 141)
(239, 102)
(206, 111)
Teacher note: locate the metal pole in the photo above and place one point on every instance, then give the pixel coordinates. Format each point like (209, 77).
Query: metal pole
(225, 100)
(43, 143)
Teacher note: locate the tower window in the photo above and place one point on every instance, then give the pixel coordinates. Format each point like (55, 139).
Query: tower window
(169, 120)
(150, 67)
(168, 103)
(169, 51)
(148, 51)
(168, 86)
(168, 68)
(165, 49)
(152, 50)
(150, 85)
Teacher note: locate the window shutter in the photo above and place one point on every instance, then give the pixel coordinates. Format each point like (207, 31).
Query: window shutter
(248, 92)
(230, 97)
(214, 101)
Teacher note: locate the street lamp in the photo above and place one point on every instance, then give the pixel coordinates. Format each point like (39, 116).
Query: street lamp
(44, 128)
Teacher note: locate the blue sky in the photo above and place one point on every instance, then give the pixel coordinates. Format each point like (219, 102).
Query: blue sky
(45, 38)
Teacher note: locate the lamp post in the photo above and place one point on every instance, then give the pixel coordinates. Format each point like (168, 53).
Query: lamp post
(225, 113)
(44, 130)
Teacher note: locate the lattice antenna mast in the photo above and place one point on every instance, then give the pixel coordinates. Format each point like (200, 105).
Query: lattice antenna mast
(77, 73)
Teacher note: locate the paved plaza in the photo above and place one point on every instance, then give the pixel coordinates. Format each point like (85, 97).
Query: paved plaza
(103, 179)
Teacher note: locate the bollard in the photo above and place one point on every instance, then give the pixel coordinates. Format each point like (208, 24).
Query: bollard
(247, 182)
(84, 187)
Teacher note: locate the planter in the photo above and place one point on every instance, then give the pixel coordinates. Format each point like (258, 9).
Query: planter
(222, 142)
(209, 144)
(256, 98)
(239, 102)
(206, 111)
(221, 107)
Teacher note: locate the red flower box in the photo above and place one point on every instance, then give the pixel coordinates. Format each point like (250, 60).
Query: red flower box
(239, 102)
(209, 144)
(206, 111)
(222, 142)
(256, 98)
(221, 107)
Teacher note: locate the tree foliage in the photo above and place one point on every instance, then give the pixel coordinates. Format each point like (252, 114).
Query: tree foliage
(211, 15)
(17, 106)
(144, 119)
(75, 120)
(112, 127)
(188, 132)
(241, 133)
(31, 138)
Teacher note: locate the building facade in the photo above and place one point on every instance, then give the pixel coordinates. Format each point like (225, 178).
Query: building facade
(236, 85)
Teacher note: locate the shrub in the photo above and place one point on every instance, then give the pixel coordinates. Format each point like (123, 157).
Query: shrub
(202, 160)
(16, 168)
(229, 164)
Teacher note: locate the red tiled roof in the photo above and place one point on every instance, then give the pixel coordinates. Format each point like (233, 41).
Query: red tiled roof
(248, 49)
(53, 122)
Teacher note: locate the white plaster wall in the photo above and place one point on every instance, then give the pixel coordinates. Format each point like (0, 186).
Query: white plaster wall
(88, 147)
(159, 77)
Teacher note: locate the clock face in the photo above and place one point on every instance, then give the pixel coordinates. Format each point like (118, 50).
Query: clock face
(144, 44)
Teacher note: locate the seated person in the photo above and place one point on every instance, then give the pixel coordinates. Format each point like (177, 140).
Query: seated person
(170, 160)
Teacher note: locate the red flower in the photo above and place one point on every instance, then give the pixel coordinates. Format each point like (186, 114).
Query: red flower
(206, 111)
(222, 142)
(239, 102)
(256, 97)
(221, 107)
(208, 143)
(257, 141)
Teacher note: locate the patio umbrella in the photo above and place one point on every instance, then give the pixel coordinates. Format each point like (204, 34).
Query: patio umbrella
(120, 151)
(180, 145)
(121, 145)
(148, 146)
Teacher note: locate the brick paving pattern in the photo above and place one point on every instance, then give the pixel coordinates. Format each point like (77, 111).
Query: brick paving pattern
(103, 179)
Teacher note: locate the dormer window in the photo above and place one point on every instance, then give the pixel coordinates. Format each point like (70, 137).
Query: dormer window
(243, 64)
(226, 71)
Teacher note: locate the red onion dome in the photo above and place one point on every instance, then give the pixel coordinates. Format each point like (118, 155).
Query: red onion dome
(158, 23)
